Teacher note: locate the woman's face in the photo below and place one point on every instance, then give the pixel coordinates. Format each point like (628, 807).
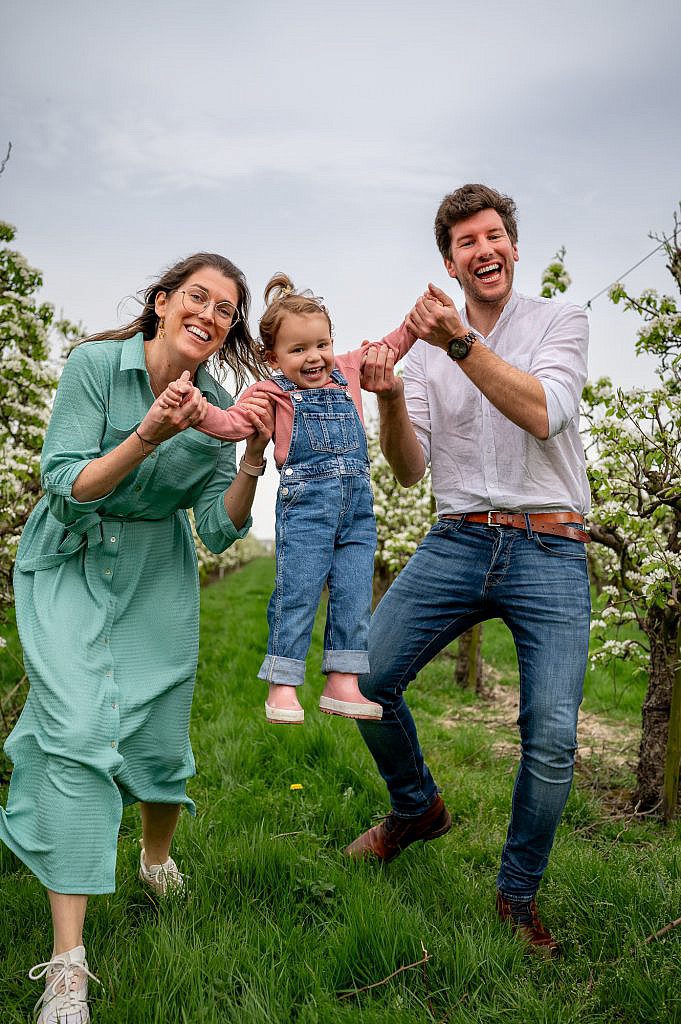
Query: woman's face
(192, 334)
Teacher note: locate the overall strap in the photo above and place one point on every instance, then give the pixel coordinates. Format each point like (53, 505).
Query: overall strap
(338, 378)
(283, 382)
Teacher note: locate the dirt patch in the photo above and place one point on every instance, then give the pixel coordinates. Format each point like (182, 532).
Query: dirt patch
(612, 743)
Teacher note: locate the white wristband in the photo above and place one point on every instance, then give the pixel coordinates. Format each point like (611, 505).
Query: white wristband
(249, 470)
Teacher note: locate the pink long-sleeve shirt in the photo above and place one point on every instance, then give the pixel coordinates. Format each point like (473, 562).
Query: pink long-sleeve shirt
(234, 425)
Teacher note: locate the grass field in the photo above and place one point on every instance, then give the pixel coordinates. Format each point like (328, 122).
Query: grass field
(279, 928)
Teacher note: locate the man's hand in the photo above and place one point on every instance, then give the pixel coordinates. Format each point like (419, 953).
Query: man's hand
(377, 372)
(434, 318)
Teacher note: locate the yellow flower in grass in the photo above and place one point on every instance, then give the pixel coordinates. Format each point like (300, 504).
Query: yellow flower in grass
(296, 785)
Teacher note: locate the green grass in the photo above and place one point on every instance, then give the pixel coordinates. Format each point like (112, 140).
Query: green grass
(278, 925)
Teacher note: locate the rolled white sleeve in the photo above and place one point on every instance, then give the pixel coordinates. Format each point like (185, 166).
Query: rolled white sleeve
(416, 396)
(560, 365)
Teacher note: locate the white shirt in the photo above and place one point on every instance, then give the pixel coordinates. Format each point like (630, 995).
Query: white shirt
(480, 460)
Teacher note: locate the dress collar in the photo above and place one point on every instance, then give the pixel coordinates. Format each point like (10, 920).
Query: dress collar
(132, 358)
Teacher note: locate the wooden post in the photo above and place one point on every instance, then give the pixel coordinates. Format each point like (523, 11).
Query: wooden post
(672, 765)
(473, 680)
(468, 672)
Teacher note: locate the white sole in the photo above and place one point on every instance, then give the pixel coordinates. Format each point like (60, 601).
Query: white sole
(350, 709)
(284, 716)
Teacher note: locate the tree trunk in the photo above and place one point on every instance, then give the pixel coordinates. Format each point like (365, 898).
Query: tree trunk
(670, 800)
(662, 629)
(382, 580)
(468, 672)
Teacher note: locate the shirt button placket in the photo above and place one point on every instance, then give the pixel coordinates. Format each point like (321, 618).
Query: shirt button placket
(111, 545)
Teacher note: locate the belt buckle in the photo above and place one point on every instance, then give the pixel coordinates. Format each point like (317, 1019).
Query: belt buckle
(493, 512)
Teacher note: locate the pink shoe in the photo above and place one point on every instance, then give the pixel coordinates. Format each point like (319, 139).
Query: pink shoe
(350, 709)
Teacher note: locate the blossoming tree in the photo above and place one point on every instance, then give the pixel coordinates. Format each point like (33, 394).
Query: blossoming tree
(27, 380)
(634, 450)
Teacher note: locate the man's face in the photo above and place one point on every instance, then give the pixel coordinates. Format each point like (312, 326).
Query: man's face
(482, 257)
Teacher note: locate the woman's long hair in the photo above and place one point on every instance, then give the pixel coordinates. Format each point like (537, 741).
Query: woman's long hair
(238, 352)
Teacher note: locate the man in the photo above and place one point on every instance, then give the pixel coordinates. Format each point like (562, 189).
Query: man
(492, 404)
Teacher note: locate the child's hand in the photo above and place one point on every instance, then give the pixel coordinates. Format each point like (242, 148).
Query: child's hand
(365, 347)
(169, 416)
(177, 392)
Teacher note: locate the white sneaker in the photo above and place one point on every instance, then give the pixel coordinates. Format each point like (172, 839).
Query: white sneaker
(64, 1000)
(164, 879)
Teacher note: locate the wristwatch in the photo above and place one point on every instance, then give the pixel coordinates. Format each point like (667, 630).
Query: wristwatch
(458, 348)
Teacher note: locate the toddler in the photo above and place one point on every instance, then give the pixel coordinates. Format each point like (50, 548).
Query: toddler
(325, 527)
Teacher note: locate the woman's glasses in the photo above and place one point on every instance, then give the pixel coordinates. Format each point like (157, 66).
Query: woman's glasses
(195, 300)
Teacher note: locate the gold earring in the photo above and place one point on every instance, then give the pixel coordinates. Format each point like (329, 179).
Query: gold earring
(161, 333)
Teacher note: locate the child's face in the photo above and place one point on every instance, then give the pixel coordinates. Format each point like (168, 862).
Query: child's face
(303, 350)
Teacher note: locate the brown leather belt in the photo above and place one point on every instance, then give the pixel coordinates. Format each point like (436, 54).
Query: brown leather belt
(560, 524)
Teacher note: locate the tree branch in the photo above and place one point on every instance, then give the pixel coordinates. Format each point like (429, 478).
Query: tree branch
(4, 163)
(406, 967)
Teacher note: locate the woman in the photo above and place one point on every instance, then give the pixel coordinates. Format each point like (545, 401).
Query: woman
(107, 601)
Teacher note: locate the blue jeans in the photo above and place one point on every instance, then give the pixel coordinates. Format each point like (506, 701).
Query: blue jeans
(462, 574)
(326, 533)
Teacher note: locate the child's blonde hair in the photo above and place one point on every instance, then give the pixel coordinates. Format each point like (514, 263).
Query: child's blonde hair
(281, 297)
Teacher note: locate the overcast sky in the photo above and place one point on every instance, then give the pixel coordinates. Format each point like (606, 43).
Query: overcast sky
(319, 139)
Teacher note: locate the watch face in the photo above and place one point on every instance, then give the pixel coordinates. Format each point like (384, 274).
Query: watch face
(458, 348)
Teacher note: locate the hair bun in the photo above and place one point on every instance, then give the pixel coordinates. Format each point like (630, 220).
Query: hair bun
(278, 287)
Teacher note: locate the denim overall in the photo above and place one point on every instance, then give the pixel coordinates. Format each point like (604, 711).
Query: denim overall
(325, 533)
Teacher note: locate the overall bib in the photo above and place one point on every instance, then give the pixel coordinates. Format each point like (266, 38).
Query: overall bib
(325, 533)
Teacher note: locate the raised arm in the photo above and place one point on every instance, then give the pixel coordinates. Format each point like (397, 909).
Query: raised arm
(101, 474)
(519, 395)
(397, 437)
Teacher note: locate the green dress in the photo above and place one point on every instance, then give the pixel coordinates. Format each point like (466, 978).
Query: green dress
(107, 604)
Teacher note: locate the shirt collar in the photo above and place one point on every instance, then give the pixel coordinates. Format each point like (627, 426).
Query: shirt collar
(132, 358)
(505, 313)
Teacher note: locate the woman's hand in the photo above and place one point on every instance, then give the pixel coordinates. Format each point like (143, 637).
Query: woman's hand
(260, 411)
(180, 406)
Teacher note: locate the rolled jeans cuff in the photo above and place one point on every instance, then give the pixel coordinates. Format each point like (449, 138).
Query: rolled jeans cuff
(284, 671)
(516, 897)
(356, 662)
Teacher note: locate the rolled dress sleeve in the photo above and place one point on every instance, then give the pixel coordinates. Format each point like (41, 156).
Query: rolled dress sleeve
(74, 436)
(213, 525)
(560, 365)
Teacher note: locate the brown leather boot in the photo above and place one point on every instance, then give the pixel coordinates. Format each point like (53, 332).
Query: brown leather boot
(527, 925)
(387, 840)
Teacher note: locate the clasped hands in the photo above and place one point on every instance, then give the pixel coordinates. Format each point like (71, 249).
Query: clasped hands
(182, 405)
(434, 319)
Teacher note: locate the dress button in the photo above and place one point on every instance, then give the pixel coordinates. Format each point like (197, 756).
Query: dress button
(112, 539)
(288, 472)
(107, 572)
(114, 706)
(284, 490)
(108, 675)
(298, 398)
(113, 743)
